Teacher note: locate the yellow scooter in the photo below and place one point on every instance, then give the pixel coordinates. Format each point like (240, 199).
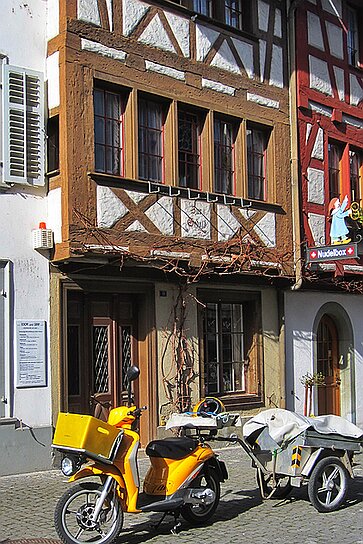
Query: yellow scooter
(183, 479)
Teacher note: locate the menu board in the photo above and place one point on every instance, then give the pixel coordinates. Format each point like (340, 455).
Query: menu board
(31, 353)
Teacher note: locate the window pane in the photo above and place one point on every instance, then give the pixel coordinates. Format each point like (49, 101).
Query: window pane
(223, 157)
(108, 127)
(150, 140)
(257, 163)
(223, 348)
(334, 157)
(100, 359)
(188, 146)
(203, 6)
(355, 160)
(233, 13)
(353, 37)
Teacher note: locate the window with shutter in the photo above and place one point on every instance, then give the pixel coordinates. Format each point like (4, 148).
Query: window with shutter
(23, 126)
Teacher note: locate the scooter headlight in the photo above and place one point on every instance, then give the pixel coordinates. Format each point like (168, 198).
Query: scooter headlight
(69, 465)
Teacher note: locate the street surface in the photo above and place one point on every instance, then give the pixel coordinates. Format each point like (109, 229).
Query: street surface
(27, 504)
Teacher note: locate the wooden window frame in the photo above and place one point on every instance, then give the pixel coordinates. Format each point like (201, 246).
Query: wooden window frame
(233, 9)
(53, 145)
(251, 301)
(354, 50)
(107, 145)
(268, 174)
(196, 153)
(164, 107)
(335, 158)
(217, 12)
(234, 125)
(356, 185)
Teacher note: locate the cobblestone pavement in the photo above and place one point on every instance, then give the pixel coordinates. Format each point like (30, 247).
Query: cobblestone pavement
(27, 504)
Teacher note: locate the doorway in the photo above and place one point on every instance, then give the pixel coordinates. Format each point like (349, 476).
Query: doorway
(102, 343)
(328, 366)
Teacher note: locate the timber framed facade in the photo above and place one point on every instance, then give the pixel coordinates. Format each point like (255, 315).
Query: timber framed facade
(171, 203)
(329, 63)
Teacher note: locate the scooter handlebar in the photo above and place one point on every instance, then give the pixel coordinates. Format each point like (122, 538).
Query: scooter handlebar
(137, 412)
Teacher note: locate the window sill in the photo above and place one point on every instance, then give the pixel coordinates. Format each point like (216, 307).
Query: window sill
(53, 173)
(153, 187)
(241, 401)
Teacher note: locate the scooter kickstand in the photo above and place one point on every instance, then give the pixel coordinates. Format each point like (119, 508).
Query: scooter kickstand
(157, 525)
(177, 524)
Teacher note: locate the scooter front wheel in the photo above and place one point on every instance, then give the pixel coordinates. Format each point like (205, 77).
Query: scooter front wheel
(197, 514)
(73, 516)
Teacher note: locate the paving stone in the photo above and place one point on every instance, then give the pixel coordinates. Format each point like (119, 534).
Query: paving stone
(27, 505)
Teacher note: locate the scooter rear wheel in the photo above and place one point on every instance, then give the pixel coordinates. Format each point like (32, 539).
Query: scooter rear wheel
(199, 514)
(73, 516)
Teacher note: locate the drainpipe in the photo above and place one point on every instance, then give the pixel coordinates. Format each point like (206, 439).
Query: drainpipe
(291, 9)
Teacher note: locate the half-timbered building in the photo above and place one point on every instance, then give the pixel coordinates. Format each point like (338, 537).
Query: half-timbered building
(323, 318)
(170, 202)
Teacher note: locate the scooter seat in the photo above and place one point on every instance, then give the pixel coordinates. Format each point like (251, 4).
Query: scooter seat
(171, 448)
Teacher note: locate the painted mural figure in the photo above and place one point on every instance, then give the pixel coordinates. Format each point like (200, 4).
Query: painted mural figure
(337, 214)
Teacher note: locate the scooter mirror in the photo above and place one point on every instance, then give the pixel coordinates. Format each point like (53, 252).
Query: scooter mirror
(133, 373)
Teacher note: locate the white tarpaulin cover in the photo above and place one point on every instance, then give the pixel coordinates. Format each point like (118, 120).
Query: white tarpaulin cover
(193, 421)
(284, 425)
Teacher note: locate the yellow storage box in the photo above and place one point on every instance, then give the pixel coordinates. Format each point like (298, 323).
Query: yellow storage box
(84, 433)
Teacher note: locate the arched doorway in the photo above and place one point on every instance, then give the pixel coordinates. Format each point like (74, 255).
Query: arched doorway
(328, 365)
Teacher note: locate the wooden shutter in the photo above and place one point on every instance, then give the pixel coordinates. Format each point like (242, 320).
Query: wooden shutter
(23, 106)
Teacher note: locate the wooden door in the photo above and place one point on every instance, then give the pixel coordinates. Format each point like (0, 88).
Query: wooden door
(101, 345)
(328, 365)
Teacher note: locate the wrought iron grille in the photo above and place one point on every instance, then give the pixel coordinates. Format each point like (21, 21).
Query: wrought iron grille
(126, 354)
(100, 358)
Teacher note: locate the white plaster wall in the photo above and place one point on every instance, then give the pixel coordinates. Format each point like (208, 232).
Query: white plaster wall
(52, 18)
(301, 308)
(23, 41)
(315, 186)
(54, 220)
(315, 35)
(335, 38)
(20, 214)
(52, 75)
(22, 36)
(317, 225)
(164, 316)
(319, 76)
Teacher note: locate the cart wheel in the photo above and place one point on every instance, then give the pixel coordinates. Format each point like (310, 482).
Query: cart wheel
(328, 484)
(281, 491)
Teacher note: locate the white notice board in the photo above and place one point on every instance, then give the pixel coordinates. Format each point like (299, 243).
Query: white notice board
(30, 353)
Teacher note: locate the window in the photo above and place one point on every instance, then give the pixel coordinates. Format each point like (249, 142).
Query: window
(188, 149)
(151, 121)
(223, 156)
(352, 36)
(23, 126)
(230, 345)
(355, 168)
(53, 144)
(203, 6)
(335, 155)
(233, 13)
(257, 141)
(108, 112)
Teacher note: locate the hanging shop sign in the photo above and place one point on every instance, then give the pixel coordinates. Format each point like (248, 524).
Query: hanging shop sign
(332, 253)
